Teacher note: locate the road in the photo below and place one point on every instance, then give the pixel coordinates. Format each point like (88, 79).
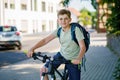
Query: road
(9, 56)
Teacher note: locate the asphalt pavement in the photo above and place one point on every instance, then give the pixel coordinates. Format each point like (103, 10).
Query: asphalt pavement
(99, 66)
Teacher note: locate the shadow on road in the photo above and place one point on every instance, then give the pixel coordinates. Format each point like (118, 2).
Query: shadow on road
(9, 56)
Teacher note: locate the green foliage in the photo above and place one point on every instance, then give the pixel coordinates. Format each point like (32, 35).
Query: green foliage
(85, 17)
(94, 19)
(107, 1)
(116, 73)
(113, 21)
(94, 3)
(65, 2)
(117, 33)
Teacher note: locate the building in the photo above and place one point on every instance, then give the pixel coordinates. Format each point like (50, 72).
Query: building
(103, 14)
(30, 16)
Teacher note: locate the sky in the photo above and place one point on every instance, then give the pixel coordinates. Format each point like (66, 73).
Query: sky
(79, 4)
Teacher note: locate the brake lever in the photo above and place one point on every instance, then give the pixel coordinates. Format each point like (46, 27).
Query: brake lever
(38, 54)
(34, 56)
(44, 58)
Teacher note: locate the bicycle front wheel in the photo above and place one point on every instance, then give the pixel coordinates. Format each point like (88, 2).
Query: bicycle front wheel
(42, 78)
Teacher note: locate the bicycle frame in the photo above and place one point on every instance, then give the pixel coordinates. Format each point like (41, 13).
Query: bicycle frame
(51, 69)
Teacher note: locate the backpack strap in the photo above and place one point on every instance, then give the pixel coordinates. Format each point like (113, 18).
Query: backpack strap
(83, 62)
(59, 31)
(73, 35)
(73, 26)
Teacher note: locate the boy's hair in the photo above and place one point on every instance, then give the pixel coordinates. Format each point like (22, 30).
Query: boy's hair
(64, 11)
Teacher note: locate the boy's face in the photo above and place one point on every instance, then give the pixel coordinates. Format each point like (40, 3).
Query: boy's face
(64, 20)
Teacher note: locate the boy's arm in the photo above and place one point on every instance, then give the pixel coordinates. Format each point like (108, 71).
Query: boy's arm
(82, 49)
(81, 53)
(40, 44)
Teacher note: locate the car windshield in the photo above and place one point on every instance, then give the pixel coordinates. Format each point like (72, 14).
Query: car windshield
(7, 28)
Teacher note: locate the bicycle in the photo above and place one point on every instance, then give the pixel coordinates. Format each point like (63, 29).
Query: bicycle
(51, 69)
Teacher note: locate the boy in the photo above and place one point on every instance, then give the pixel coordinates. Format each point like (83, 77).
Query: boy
(69, 49)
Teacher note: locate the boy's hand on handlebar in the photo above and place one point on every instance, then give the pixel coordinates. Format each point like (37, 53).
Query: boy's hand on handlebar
(30, 53)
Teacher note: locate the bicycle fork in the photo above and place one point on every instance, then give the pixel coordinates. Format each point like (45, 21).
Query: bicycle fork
(50, 72)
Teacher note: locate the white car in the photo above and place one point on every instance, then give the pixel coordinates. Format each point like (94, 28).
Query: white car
(10, 37)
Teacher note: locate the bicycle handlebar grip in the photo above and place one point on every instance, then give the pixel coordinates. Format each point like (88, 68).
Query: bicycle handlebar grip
(44, 58)
(34, 56)
(38, 54)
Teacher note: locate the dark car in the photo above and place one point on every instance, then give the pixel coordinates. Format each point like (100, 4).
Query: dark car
(10, 37)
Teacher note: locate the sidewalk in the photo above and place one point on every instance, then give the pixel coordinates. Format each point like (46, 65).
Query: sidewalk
(100, 64)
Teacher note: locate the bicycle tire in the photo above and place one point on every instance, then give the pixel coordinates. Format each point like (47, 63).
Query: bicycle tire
(66, 76)
(42, 78)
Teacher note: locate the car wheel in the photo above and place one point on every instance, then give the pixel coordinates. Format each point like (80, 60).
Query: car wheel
(17, 47)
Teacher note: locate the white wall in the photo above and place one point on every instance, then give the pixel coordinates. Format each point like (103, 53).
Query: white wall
(1, 13)
(28, 19)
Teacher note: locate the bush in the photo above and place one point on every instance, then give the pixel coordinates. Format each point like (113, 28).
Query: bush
(116, 73)
(117, 33)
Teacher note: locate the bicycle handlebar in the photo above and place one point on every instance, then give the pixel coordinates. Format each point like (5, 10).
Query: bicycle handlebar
(36, 55)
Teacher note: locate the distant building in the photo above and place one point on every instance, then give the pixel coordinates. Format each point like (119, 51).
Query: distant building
(30, 16)
(103, 14)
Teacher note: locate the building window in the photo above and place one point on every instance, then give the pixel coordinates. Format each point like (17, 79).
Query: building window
(43, 25)
(31, 5)
(43, 6)
(12, 4)
(23, 6)
(35, 5)
(50, 7)
(6, 5)
(35, 26)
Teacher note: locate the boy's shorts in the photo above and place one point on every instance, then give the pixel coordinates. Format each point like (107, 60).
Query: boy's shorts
(74, 71)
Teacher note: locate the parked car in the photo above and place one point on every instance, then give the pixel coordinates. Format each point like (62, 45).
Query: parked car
(10, 37)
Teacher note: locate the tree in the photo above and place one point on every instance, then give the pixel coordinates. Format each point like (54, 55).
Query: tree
(65, 2)
(113, 21)
(85, 17)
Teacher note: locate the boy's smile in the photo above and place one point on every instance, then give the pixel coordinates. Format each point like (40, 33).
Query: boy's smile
(64, 21)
